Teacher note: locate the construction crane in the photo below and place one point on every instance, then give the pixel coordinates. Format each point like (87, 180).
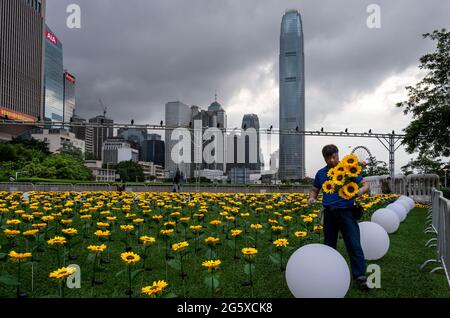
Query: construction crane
(104, 108)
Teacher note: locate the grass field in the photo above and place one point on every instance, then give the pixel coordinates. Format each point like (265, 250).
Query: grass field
(400, 267)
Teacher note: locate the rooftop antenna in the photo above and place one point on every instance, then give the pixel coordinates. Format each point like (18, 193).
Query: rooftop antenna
(215, 96)
(104, 108)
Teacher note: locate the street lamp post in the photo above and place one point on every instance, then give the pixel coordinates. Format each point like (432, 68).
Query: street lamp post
(19, 172)
(445, 177)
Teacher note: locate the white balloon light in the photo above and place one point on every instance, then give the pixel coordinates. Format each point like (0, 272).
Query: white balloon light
(399, 209)
(374, 240)
(404, 203)
(410, 201)
(387, 218)
(26, 195)
(317, 271)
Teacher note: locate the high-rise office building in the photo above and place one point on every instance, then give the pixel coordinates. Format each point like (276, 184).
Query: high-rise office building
(153, 150)
(135, 136)
(100, 134)
(214, 117)
(54, 79)
(177, 115)
(116, 150)
(84, 133)
(21, 59)
(252, 153)
(69, 96)
(292, 97)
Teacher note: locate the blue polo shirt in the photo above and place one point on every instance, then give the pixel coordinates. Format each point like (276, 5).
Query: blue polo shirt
(333, 199)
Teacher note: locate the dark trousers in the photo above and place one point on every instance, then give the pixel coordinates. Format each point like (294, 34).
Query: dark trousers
(336, 220)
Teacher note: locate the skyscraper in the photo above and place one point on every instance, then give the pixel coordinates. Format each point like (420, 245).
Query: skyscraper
(252, 121)
(153, 150)
(54, 80)
(21, 59)
(178, 115)
(69, 96)
(99, 134)
(214, 117)
(292, 97)
(84, 133)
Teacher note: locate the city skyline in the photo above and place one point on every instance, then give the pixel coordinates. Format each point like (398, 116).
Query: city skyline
(141, 69)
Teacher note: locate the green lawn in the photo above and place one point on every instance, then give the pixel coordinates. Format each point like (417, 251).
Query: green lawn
(400, 274)
(400, 269)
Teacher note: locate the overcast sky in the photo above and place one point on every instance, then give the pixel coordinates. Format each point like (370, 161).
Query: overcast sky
(137, 55)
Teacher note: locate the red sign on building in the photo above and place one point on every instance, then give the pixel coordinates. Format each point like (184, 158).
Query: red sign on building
(13, 115)
(52, 38)
(70, 78)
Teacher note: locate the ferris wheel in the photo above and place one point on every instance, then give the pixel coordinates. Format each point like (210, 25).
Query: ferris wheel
(362, 152)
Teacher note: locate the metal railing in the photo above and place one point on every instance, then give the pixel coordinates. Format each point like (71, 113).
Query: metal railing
(417, 186)
(438, 221)
(133, 187)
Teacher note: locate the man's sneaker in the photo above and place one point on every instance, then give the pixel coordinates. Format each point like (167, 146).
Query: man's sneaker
(361, 283)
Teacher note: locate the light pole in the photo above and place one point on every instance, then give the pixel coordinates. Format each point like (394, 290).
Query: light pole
(19, 172)
(107, 170)
(445, 177)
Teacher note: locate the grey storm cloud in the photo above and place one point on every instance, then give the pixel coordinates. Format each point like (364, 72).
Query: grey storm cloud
(139, 54)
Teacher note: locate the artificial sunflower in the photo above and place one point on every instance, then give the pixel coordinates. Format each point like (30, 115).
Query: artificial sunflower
(353, 170)
(180, 246)
(235, 232)
(62, 273)
(212, 240)
(147, 240)
(69, 231)
(31, 232)
(100, 233)
(19, 256)
(130, 257)
(300, 234)
(331, 172)
(155, 288)
(343, 195)
(350, 189)
(281, 243)
(340, 167)
(339, 178)
(57, 240)
(10, 233)
(249, 251)
(196, 227)
(350, 159)
(328, 187)
(256, 226)
(97, 248)
(212, 264)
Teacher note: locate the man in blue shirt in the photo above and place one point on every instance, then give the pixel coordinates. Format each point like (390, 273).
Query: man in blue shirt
(338, 216)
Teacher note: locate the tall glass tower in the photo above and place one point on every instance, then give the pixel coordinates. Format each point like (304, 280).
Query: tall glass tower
(292, 97)
(54, 80)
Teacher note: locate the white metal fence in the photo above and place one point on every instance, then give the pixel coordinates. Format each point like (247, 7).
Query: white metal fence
(438, 220)
(417, 186)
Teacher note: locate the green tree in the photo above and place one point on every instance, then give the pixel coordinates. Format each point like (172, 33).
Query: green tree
(130, 171)
(423, 164)
(375, 167)
(429, 102)
(32, 143)
(72, 151)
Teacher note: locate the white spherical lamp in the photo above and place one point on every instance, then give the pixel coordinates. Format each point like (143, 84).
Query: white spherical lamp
(317, 271)
(374, 240)
(388, 220)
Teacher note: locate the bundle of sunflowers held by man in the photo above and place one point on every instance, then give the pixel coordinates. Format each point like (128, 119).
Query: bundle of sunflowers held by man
(342, 178)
